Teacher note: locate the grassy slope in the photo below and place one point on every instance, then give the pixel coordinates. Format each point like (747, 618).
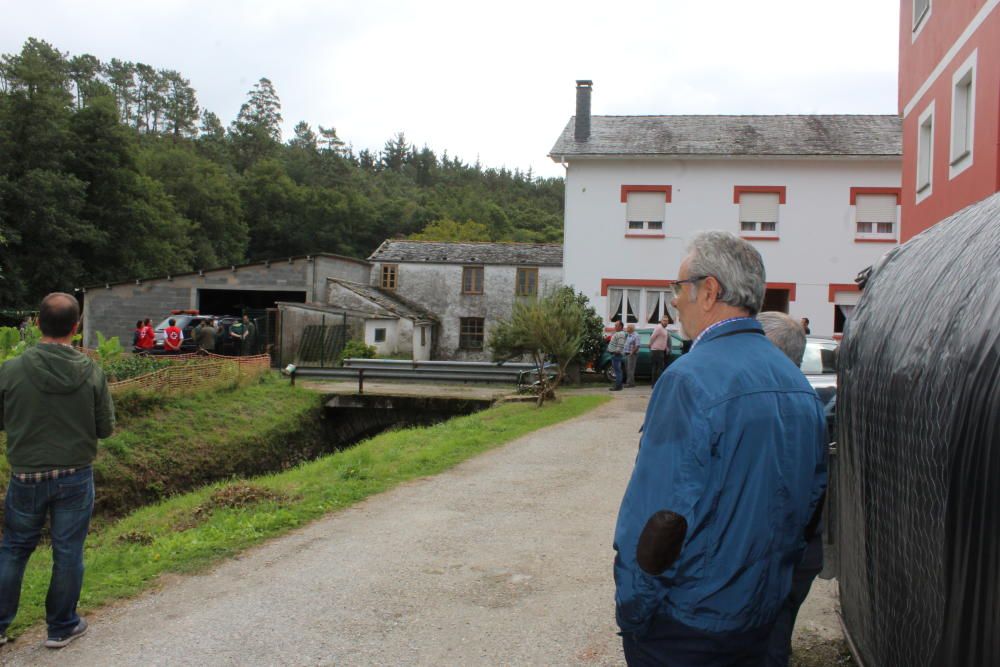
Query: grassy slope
(188, 532)
(165, 445)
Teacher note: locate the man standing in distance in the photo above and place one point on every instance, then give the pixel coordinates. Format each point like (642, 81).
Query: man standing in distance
(616, 346)
(631, 354)
(730, 467)
(54, 405)
(659, 347)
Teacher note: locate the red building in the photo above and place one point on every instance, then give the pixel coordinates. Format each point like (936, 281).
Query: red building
(949, 99)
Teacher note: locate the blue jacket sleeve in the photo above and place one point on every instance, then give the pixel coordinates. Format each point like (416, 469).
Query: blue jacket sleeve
(670, 473)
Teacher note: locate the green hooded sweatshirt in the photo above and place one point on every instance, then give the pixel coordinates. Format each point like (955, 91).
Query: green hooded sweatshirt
(54, 405)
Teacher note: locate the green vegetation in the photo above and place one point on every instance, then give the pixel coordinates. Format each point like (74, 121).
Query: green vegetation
(116, 169)
(356, 349)
(191, 531)
(166, 444)
(555, 328)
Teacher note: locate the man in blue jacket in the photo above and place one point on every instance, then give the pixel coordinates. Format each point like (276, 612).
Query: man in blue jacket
(730, 467)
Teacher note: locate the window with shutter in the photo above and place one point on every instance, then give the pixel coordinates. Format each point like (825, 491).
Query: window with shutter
(759, 213)
(875, 216)
(646, 210)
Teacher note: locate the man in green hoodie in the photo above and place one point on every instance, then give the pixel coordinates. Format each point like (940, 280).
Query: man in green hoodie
(54, 405)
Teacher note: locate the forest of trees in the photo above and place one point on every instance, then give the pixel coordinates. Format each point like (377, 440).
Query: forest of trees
(112, 170)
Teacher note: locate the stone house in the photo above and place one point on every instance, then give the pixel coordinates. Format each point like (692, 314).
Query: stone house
(463, 288)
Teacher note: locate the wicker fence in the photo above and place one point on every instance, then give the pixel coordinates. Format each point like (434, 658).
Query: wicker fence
(197, 372)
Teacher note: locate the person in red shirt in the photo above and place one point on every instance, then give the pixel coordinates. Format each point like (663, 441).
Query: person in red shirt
(172, 337)
(146, 336)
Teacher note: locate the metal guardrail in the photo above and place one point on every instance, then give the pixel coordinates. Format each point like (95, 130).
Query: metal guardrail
(428, 371)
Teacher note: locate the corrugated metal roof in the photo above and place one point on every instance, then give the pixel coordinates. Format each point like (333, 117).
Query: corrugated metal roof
(433, 252)
(817, 135)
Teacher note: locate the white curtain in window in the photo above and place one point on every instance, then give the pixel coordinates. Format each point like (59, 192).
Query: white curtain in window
(652, 306)
(845, 310)
(614, 304)
(646, 206)
(876, 208)
(632, 296)
(759, 207)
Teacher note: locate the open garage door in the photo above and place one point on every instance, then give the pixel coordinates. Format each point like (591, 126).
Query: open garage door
(236, 302)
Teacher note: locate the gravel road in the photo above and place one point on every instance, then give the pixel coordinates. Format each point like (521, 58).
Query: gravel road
(503, 560)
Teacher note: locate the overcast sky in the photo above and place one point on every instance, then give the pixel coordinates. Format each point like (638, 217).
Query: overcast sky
(490, 80)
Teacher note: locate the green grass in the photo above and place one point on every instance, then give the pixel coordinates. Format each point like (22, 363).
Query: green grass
(164, 445)
(189, 532)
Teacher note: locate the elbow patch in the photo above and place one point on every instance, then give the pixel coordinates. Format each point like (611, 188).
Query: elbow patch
(660, 542)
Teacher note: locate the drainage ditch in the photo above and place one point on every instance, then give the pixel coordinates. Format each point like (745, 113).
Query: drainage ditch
(352, 418)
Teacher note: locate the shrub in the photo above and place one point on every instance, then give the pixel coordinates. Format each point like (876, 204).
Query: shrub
(356, 349)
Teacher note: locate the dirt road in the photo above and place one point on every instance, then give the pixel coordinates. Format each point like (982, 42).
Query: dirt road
(505, 559)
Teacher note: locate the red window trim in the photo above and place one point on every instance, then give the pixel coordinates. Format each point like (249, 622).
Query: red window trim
(667, 191)
(841, 287)
(772, 189)
(760, 238)
(788, 286)
(875, 191)
(645, 236)
(875, 240)
(631, 282)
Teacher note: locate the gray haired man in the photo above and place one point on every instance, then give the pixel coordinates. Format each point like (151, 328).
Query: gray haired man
(789, 337)
(730, 467)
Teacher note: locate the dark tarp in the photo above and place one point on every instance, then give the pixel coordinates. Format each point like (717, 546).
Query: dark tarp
(919, 482)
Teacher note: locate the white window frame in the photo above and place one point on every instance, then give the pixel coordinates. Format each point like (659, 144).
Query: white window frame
(925, 155)
(964, 76)
(875, 234)
(648, 227)
(920, 21)
(638, 311)
(757, 231)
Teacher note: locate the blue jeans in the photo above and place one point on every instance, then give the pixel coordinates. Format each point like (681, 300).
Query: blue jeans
(68, 501)
(616, 364)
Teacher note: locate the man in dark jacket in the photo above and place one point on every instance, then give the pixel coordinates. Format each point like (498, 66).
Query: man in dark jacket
(730, 467)
(54, 405)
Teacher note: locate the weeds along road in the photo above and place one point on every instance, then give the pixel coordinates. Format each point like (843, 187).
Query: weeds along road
(504, 559)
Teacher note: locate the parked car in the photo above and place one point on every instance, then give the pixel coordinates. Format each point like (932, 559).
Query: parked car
(818, 363)
(820, 366)
(643, 365)
(187, 320)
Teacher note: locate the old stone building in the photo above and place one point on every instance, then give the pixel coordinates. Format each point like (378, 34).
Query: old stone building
(113, 309)
(424, 300)
(467, 287)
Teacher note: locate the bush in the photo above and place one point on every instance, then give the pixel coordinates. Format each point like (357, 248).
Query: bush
(356, 349)
(132, 365)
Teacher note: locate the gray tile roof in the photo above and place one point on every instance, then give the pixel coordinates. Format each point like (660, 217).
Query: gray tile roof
(735, 135)
(433, 252)
(387, 300)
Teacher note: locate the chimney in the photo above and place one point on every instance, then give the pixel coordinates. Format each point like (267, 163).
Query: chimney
(583, 88)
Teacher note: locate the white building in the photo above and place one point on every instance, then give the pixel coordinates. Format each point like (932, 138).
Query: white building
(817, 195)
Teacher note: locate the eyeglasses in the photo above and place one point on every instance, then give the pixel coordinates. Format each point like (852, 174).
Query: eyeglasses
(678, 285)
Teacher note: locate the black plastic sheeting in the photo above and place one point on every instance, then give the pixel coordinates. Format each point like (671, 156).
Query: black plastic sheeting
(919, 482)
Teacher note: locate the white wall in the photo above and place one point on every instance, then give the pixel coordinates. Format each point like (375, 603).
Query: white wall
(391, 343)
(816, 224)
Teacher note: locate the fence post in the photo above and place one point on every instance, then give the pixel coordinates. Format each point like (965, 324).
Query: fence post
(361, 380)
